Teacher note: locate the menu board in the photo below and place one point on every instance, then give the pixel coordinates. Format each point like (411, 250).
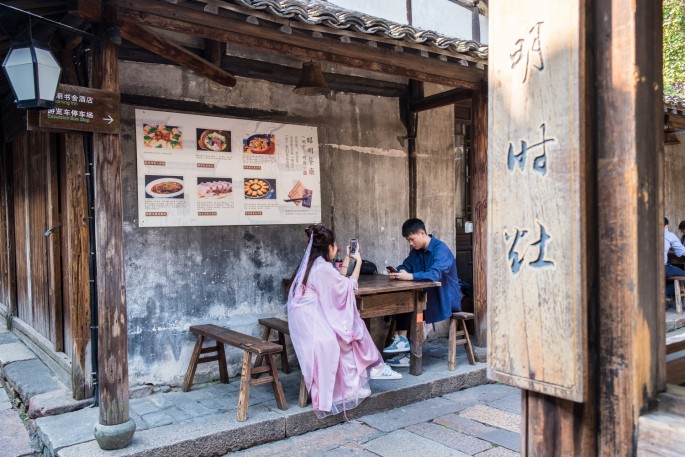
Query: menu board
(202, 170)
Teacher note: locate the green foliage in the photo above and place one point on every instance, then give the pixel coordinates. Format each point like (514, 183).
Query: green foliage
(674, 47)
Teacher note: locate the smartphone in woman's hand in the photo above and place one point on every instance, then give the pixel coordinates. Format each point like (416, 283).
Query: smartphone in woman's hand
(353, 246)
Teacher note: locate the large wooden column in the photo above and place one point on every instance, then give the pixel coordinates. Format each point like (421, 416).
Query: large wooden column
(629, 146)
(479, 201)
(115, 429)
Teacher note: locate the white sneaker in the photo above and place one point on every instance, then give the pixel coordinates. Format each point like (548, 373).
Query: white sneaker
(399, 361)
(399, 344)
(383, 371)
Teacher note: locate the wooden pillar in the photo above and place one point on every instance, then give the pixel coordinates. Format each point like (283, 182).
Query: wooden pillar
(479, 201)
(75, 250)
(112, 328)
(629, 146)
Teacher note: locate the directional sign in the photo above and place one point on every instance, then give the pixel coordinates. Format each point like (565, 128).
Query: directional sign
(78, 109)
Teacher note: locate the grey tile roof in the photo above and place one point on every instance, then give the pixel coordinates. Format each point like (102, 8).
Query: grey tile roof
(317, 12)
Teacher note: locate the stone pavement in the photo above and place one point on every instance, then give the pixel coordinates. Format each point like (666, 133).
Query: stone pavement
(482, 421)
(14, 437)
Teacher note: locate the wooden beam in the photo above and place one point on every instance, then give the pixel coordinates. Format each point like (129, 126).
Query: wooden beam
(214, 50)
(89, 10)
(449, 97)
(109, 249)
(479, 193)
(221, 27)
(148, 39)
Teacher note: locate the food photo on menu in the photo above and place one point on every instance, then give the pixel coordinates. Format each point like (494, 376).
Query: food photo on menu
(213, 140)
(260, 143)
(162, 136)
(214, 188)
(257, 188)
(164, 186)
(299, 195)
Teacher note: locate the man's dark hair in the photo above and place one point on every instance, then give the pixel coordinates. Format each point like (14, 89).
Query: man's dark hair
(681, 226)
(665, 221)
(412, 226)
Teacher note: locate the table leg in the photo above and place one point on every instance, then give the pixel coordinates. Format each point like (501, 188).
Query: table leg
(416, 334)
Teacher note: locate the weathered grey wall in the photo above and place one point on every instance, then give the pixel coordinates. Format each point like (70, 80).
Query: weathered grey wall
(674, 183)
(180, 276)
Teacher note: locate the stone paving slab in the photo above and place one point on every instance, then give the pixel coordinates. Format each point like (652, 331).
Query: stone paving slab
(406, 444)
(511, 404)
(57, 432)
(415, 413)
(55, 402)
(674, 321)
(498, 452)
(463, 425)
(450, 438)
(5, 402)
(215, 435)
(13, 352)
(494, 417)
(509, 440)
(31, 377)
(7, 337)
(318, 442)
(15, 440)
(484, 393)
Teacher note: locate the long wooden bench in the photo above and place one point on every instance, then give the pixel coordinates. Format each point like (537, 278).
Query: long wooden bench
(679, 292)
(250, 345)
(281, 328)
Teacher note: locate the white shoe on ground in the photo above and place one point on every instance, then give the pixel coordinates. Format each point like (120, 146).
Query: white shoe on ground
(383, 371)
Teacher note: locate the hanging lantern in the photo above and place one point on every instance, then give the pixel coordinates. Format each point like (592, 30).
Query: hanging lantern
(33, 73)
(312, 81)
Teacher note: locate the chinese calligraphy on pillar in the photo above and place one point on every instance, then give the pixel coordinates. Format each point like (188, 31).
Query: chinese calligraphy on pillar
(536, 205)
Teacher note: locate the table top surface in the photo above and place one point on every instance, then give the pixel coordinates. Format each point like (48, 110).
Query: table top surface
(378, 284)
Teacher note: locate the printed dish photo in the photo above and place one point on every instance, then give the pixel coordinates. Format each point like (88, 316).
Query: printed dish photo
(259, 188)
(162, 136)
(214, 140)
(259, 144)
(165, 188)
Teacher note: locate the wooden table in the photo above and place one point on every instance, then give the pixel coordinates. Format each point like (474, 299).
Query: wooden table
(380, 296)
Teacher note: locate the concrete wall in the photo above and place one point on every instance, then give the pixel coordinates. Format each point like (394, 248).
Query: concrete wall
(180, 276)
(674, 183)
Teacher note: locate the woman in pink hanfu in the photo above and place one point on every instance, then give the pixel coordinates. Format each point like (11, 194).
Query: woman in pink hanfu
(336, 353)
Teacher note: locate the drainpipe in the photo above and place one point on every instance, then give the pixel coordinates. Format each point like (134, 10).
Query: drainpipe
(88, 150)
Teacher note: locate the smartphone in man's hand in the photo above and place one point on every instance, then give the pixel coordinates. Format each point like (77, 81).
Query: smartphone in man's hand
(391, 269)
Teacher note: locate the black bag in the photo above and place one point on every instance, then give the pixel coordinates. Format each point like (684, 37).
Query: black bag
(368, 268)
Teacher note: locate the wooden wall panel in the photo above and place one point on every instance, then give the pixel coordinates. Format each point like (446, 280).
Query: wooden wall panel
(19, 160)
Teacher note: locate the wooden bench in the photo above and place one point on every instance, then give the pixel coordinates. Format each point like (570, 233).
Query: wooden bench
(679, 292)
(281, 328)
(250, 345)
(453, 342)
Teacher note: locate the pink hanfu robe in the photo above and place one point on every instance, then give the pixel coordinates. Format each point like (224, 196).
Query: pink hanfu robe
(333, 346)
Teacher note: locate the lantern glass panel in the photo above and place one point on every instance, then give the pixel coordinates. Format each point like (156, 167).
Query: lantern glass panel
(19, 68)
(48, 74)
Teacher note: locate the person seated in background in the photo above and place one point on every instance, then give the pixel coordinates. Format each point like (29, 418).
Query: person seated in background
(429, 260)
(681, 229)
(336, 353)
(671, 242)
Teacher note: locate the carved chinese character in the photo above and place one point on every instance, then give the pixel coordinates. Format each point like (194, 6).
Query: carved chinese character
(517, 249)
(539, 162)
(541, 243)
(529, 51)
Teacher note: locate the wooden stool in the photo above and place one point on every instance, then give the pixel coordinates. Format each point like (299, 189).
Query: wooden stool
(282, 329)
(460, 317)
(679, 292)
(250, 345)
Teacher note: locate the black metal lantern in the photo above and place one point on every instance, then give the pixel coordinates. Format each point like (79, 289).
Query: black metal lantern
(33, 73)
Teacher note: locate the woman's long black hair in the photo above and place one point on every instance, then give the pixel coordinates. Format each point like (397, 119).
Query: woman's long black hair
(322, 239)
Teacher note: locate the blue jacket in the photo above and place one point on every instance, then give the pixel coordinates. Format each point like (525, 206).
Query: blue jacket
(436, 263)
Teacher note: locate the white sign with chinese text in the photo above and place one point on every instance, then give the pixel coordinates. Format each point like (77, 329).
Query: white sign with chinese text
(536, 199)
(202, 170)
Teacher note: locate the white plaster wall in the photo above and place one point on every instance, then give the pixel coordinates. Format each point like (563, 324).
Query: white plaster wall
(393, 10)
(483, 29)
(442, 16)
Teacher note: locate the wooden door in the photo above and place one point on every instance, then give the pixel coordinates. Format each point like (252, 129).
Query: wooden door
(38, 258)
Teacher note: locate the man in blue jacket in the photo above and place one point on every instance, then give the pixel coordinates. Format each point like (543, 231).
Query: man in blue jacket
(429, 260)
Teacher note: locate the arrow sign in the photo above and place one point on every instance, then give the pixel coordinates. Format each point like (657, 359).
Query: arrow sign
(78, 109)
